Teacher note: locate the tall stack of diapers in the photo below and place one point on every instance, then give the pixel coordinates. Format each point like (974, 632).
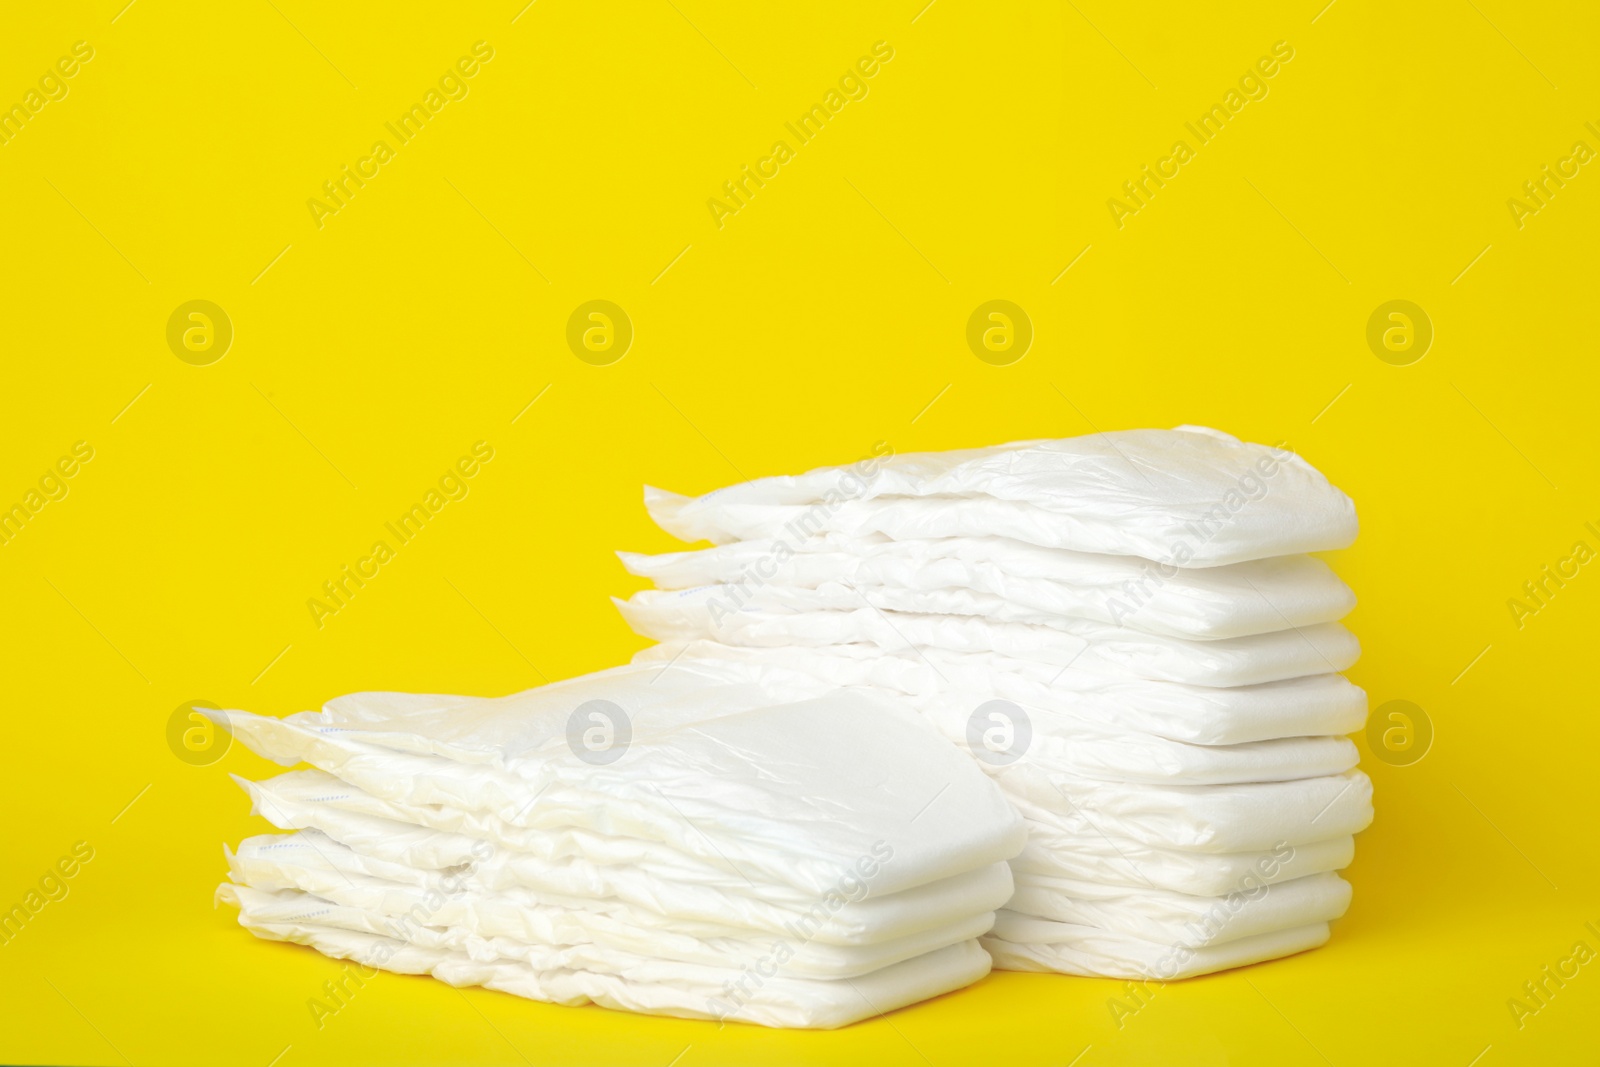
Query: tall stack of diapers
(667, 842)
(1123, 629)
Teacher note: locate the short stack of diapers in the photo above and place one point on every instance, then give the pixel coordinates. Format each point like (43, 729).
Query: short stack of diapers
(1123, 629)
(672, 842)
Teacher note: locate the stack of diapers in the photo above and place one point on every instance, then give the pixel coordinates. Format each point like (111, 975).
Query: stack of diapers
(677, 843)
(1124, 630)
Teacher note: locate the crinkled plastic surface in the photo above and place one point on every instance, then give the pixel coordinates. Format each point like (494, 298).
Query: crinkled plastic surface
(1122, 863)
(1251, 908)
(1062, 749)
(422, 845)
(1026, 583)
(1191, 496)
(656, 987)
(1242, 817)
(614, 934)
(792, 794)
(940, 684)
(1098, 648)
(1089, 950)
(784, 863)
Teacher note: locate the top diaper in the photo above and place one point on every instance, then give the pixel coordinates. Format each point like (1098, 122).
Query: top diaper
(1189, 497)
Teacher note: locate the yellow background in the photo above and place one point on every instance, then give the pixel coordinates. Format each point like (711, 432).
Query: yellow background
(824, 316)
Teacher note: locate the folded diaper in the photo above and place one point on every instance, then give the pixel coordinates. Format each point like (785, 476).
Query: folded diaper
(983, 575)
(1191, 497)
(942, 684)
(767, 996)
(1040, 945)
(1157, 915)
(1238, 817)
(1105, 858)
(1098, 648)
